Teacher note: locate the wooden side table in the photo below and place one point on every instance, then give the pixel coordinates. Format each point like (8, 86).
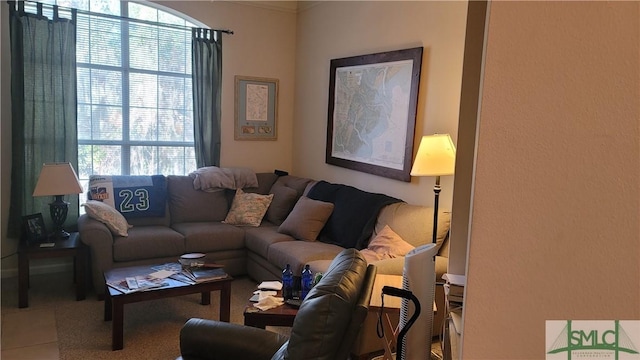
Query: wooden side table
(71, 246)
(279, 316)
(390, 318)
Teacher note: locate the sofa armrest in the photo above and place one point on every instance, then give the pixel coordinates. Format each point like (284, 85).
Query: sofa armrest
(209, 339)
(99, 239)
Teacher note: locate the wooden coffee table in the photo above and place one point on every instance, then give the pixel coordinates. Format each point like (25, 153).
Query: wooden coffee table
(115, 300)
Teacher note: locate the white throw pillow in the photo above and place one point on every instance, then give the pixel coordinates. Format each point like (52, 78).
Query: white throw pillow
(107, 215)
(248, 208)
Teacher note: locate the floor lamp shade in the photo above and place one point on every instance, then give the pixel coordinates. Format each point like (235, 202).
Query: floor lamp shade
(58, 179)
(436, 157)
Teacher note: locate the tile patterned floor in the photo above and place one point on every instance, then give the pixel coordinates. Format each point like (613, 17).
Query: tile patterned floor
(30, 333)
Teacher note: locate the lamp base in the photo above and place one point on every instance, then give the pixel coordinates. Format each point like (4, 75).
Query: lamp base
(60, 234)
(58, 210)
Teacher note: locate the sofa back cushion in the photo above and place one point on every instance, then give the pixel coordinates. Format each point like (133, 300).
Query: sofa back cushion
(286, 191)
(414, 223)
(150, 221)
(265, 182)
(187, 204)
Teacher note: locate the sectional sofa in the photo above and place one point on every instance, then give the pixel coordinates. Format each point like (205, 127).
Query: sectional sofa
(294, 230)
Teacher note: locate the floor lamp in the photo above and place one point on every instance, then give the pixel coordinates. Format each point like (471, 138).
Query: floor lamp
(436, 157)
(58, 179)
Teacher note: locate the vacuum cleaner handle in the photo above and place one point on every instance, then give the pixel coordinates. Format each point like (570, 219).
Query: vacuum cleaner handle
(405, 294)
(390, 290)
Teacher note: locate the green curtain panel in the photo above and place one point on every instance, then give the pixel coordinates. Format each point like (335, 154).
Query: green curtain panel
(43, 102)
(206, 47)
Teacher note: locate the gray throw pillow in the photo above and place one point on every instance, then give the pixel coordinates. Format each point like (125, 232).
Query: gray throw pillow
(306, 219)
(284, 198)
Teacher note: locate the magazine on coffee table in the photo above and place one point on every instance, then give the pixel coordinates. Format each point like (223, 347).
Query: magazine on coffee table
(137, 283)
(202, 274)
(194, 274)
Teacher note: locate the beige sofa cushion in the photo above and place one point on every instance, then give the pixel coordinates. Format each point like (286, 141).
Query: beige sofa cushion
(300, 253)
(148, 242)
(260, 238)
(210, 236)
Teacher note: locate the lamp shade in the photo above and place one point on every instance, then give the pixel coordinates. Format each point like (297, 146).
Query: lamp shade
(436, 156)
(57, 179)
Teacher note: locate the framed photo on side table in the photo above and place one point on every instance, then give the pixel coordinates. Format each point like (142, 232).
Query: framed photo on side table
(34, 230)
(372, 112)
(256, 108)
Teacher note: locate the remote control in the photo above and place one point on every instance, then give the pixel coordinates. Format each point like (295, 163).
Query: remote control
(132, 283)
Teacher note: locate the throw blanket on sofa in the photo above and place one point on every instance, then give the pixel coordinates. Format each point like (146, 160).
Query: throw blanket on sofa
(213, 178)
(354, 214)
(133, 196)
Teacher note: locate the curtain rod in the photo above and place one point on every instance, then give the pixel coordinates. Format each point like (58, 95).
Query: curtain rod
(147, 22)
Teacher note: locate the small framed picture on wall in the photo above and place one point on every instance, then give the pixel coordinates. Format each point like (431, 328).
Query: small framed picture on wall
(256, 108)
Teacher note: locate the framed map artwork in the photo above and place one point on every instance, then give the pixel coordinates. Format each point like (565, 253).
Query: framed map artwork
(256, 106)
(372, 112)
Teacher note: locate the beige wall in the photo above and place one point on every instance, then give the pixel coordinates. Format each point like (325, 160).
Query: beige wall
(555, 231)
(336, 29)
(263, 45)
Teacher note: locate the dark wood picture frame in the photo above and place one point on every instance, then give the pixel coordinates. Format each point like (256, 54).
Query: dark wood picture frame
(372, 98)
(34, 230)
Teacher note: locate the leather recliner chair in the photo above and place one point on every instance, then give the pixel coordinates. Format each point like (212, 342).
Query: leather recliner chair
(327, 323)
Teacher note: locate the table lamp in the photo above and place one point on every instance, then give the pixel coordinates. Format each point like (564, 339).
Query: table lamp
(436, 157)
(58, 179)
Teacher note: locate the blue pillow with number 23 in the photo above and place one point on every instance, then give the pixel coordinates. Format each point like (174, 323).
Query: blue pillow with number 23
(133, 196)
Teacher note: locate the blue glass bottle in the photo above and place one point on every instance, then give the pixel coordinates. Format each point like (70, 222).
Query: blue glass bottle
(287, 283)
(307, 282)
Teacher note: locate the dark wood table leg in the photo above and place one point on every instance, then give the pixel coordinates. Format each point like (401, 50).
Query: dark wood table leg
(117, 332)
(225, 302)
(108, 307)
(23, 280)
(206, 298)
(80, 261)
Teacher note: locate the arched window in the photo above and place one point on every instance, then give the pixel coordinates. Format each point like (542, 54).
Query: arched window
(135, 112)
